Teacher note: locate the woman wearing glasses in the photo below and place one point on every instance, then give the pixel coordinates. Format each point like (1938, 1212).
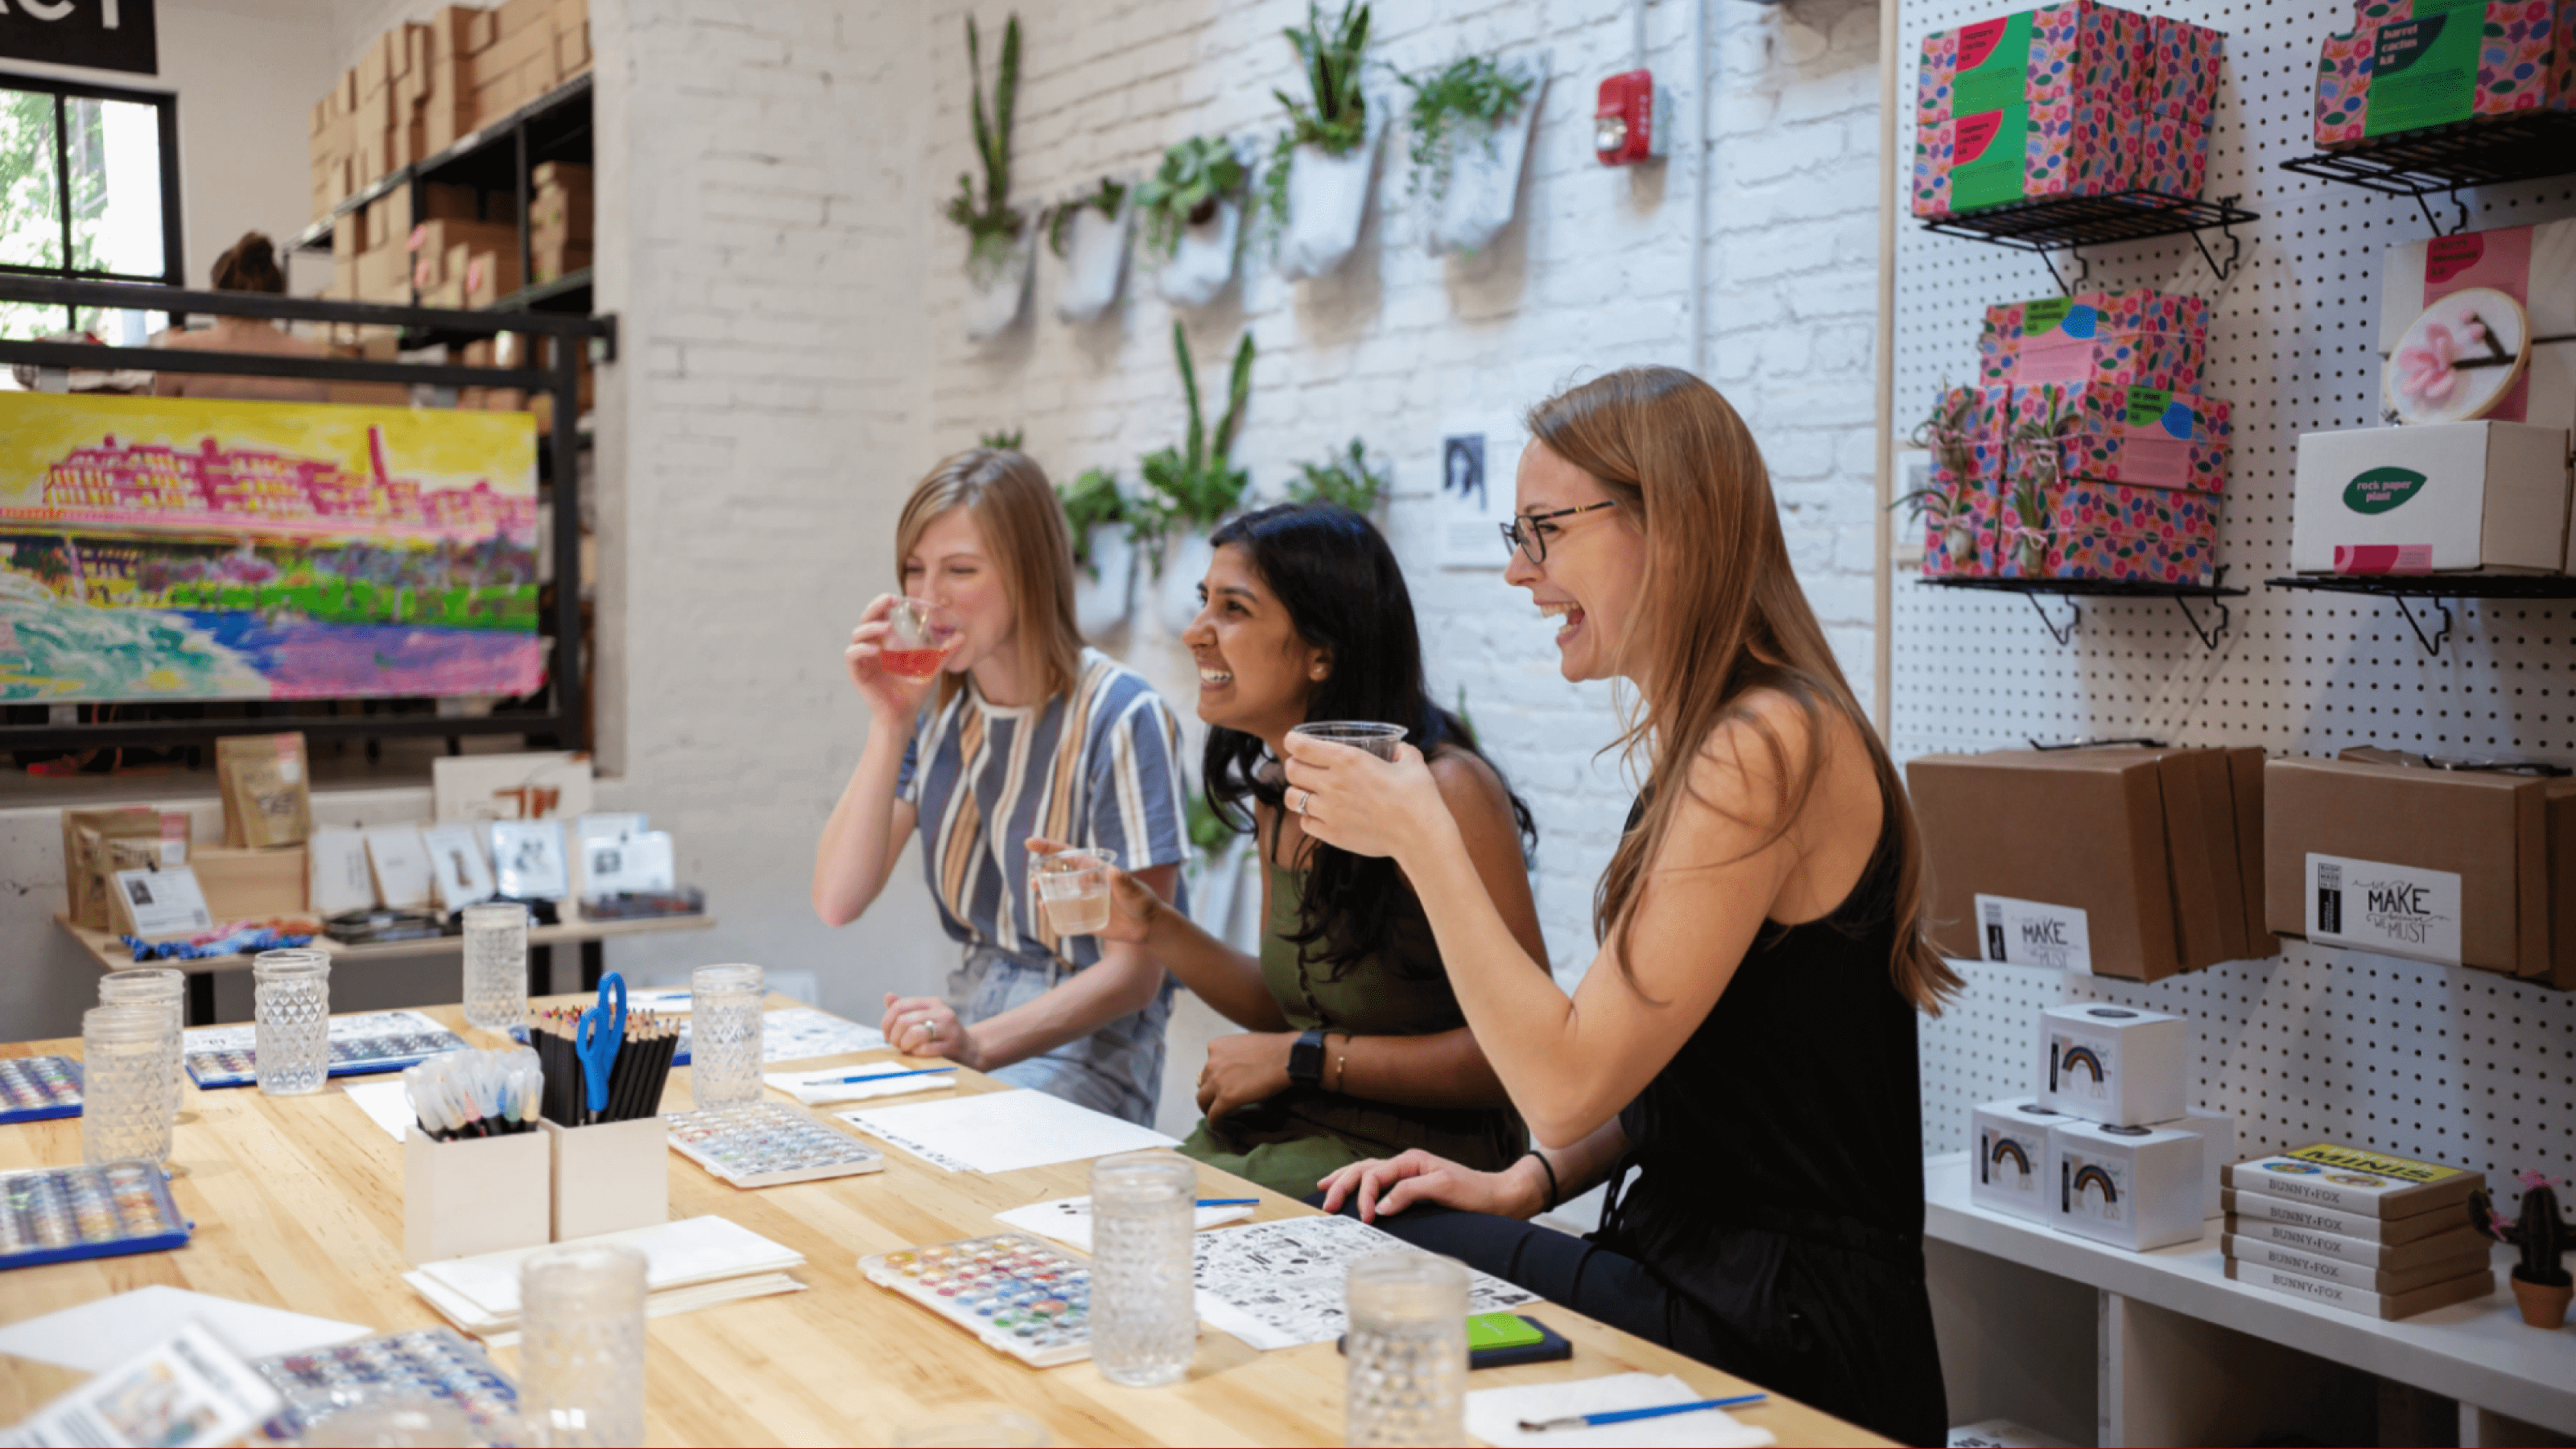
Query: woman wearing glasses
(1746, 1038)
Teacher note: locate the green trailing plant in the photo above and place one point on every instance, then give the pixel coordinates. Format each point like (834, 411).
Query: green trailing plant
(1106, 201)
(992, 224)
(1344, 478)
(1090, 501)
(1335, 119)
(1196, 484)
(2542, 1233)
(1209, 829)
(1475, 91)
(1002, 438)
(1195, 177)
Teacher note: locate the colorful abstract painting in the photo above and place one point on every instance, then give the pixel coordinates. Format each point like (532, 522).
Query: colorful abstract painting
(166, 548)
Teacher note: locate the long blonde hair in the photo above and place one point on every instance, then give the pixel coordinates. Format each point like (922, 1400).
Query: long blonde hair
(1720, 615)
(1012, 503)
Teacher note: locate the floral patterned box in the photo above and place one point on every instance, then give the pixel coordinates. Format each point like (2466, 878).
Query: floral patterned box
(2085, 506)
(2088, 554)
(2457, 62)
(1971, 162)
(2075, 51)
(2143, 436)
(1961, 533)
(2173, 153)
(2183, 62)
(2143, 336)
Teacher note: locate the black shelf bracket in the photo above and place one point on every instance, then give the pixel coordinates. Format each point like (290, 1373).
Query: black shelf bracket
(2208, 637)
(2070, 224)
(2074, 616)
(2432, 646)
(2434, 588)
(2072, 590)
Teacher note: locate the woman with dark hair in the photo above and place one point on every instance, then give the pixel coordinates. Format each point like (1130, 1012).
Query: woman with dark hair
(1353, 1044)
(250, 266)
(1746, 1037)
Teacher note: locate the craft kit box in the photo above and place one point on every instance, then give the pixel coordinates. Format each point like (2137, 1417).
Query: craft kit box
(2132, 1187)
(2535, 266)
(2010, 1139)
(2117, 1065)
(2144, 436)
(2101, 554)
(2076, 49)
(2350, 1180)
(2439, 62)
(2028, 151)
(2140, 336)
(2431, 498)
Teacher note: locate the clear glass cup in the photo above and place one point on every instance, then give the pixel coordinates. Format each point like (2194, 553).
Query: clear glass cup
(724, 1036)
(125, 1103)
(581, 1345)
(496, 965)
(396, 1423)
(166, 991)
(992, 1429)
(1407, 1350)
(1144, 1306)
(1378, 739)
(923, 635)
(291, 994)
(1073, 889)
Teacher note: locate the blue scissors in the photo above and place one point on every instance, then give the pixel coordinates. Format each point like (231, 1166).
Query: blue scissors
(596, 1038)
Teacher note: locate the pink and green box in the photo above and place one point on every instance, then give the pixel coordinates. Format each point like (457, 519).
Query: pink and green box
(2076, 50)
(2143, 436)
(2409, 65)
(1964, 546)
(2089, 554)
(2032, 151)
(2140, 337)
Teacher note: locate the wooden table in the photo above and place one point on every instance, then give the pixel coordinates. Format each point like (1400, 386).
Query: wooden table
(108, 950)
(298, 1204)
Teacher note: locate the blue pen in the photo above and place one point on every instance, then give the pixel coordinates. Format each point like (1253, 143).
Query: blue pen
(881, 1076)
(1229, 1202)
(1623, 1416)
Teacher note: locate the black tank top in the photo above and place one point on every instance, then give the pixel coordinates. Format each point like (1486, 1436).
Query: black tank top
(1795, 1107)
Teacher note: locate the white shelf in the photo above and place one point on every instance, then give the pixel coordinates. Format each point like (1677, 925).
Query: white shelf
(2480, 1353)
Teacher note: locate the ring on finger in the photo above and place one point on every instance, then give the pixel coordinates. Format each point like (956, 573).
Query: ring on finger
(1305, 797)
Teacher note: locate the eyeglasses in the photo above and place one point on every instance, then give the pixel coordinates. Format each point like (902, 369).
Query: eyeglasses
(1523, 534)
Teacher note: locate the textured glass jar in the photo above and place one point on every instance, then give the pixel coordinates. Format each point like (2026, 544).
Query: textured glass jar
(1144, 1309)
(1407, 1351)
(163, 990)
(496, 965)
(291, 992)
(724, 1035)
(581, 1346)
(125, 1108)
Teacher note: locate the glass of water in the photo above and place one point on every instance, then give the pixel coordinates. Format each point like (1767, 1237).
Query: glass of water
(1378, 739)
(1073, 889)
(1144, 1307)
(496, 965)
(291, 994)
(163, 990)
(1407, 1350)
(724, 1035)
(581, 1347)
(125, 1106)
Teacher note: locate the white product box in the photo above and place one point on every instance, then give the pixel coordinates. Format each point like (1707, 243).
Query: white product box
(2132, 1187)
(472, 1196)
(2011, 1143)
(2436, 497)
(2536, 265)
(610, 1177)
(2217, 1132)
(2117, 1064)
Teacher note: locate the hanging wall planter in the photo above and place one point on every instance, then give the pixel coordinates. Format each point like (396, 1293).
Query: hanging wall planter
(997, 291)
(1192, 212)
(1001, 247)
(1316, 189)
(1327, 201)
(1103, 525)
(1202, 260)
(1089, 237)
(1190, 489)
(1471, 125)
(1184, 561)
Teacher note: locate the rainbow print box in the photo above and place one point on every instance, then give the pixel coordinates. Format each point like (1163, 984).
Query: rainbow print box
(2118, 1065)
(2148, 437)
(2173, 153)
(1961, 535)
(2009, 1171)
(2142, 336)
(2085, 506)
(2130, 1189)
(2076, 50)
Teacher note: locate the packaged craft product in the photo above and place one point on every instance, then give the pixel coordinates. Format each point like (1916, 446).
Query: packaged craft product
(2139, 337)
(266, 788)
(2110, 433)
(2409, 65)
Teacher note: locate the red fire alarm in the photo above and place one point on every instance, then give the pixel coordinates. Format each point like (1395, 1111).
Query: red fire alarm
(1629, 121)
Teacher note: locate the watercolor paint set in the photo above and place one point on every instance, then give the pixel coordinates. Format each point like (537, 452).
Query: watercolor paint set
(767, 1145)
(437, 1364)
(1021, 1296)
(35, 1089)
(61, 1214)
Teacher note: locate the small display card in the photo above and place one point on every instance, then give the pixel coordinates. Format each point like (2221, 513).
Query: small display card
(164, 902)
(2029, 933)
(2398, 910)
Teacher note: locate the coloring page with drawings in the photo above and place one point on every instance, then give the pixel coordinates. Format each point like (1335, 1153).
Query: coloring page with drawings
(1277, 1285)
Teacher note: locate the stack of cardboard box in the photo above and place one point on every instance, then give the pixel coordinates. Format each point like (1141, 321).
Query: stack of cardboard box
(559, 219)
(2362, 1231)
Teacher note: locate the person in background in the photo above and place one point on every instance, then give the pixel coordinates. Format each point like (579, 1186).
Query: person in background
(251, 266)
(1353, 1046)
(1746, 1037)
(1023, 732)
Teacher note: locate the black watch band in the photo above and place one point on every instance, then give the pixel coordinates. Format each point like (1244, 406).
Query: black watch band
(1306, 1060)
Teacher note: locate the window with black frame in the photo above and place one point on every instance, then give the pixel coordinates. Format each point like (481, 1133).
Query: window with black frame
(89, 189)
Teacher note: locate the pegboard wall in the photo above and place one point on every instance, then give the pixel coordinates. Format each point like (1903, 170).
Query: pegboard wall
(2448, 1064)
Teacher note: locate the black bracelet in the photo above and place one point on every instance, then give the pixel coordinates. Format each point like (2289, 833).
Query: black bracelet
(1545, 1166)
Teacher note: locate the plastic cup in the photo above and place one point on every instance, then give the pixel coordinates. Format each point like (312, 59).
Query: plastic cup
(921, 637)
(1378, 739)
(1073, 889)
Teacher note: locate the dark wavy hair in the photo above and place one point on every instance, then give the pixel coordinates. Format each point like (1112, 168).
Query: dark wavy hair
(1338, 580)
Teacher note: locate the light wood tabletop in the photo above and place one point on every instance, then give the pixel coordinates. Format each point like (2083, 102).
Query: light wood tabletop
(297, 1203)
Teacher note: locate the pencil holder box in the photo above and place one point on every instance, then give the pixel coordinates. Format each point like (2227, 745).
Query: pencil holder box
(2010, 1174)
(609, 1177)
(473, 1195)
(2119, 1065)
(2132, 1187)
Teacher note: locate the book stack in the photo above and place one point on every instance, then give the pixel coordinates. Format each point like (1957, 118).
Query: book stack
(2360, 1231)
(690, 1264)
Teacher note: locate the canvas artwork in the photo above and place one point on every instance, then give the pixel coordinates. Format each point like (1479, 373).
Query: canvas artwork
(169, 548)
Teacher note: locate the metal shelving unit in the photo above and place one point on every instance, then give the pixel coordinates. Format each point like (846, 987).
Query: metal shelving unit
(2436, 588)
(2074, 222)
(2073, 589)
(2421, 164)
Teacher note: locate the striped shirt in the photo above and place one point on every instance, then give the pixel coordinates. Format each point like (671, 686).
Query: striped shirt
(1099, 766)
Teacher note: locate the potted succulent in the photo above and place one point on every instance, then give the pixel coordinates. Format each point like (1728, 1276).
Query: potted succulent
(1089, 235)
(1316, 189)
(1470, 123)
(1000, 246)
(1104, 554)
(1344, 478)
(1192, 212)
(2541, 1284)
(1189, 488)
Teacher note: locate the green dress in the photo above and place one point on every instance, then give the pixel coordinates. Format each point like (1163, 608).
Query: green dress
(1289, 1141)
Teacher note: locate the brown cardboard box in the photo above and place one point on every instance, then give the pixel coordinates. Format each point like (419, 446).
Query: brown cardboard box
(376, 67)
(561, 212)
(2245, 777)
(253, 884)
(2491, 830)
(561, 176)
(449, 294)
(515, 49)
(520, 16)
(87, 835)
(2562, 884)
(384, 275)
(490, 276)
(553, 258)
(572, 51)
(437, 240)
(2143, 841)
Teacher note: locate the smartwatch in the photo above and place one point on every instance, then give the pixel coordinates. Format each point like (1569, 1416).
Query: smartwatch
(1306, 1060)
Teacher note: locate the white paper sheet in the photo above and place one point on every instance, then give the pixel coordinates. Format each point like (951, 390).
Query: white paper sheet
(1003, 1131)
(99, 1335)
(795, 1033)
(1494, 1415)
(826, 1085)
(676, 1254)
(385, 1103)
(669, 1000)
(1279, 1284)
(1068, 1219)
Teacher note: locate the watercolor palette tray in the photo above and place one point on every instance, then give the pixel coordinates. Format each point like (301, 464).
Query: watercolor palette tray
(1019, 1295)
(766, 1145)
(33, 1089)
(374, 1041)
(422, 1363)
(59, 1214)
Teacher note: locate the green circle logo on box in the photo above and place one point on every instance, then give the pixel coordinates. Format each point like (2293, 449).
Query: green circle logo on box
(2381, 489)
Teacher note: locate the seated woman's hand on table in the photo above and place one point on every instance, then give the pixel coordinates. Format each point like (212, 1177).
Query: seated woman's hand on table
(926, 1026)
(1385, 1185)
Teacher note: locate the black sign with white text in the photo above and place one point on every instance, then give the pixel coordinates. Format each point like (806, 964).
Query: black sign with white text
(100, 34)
